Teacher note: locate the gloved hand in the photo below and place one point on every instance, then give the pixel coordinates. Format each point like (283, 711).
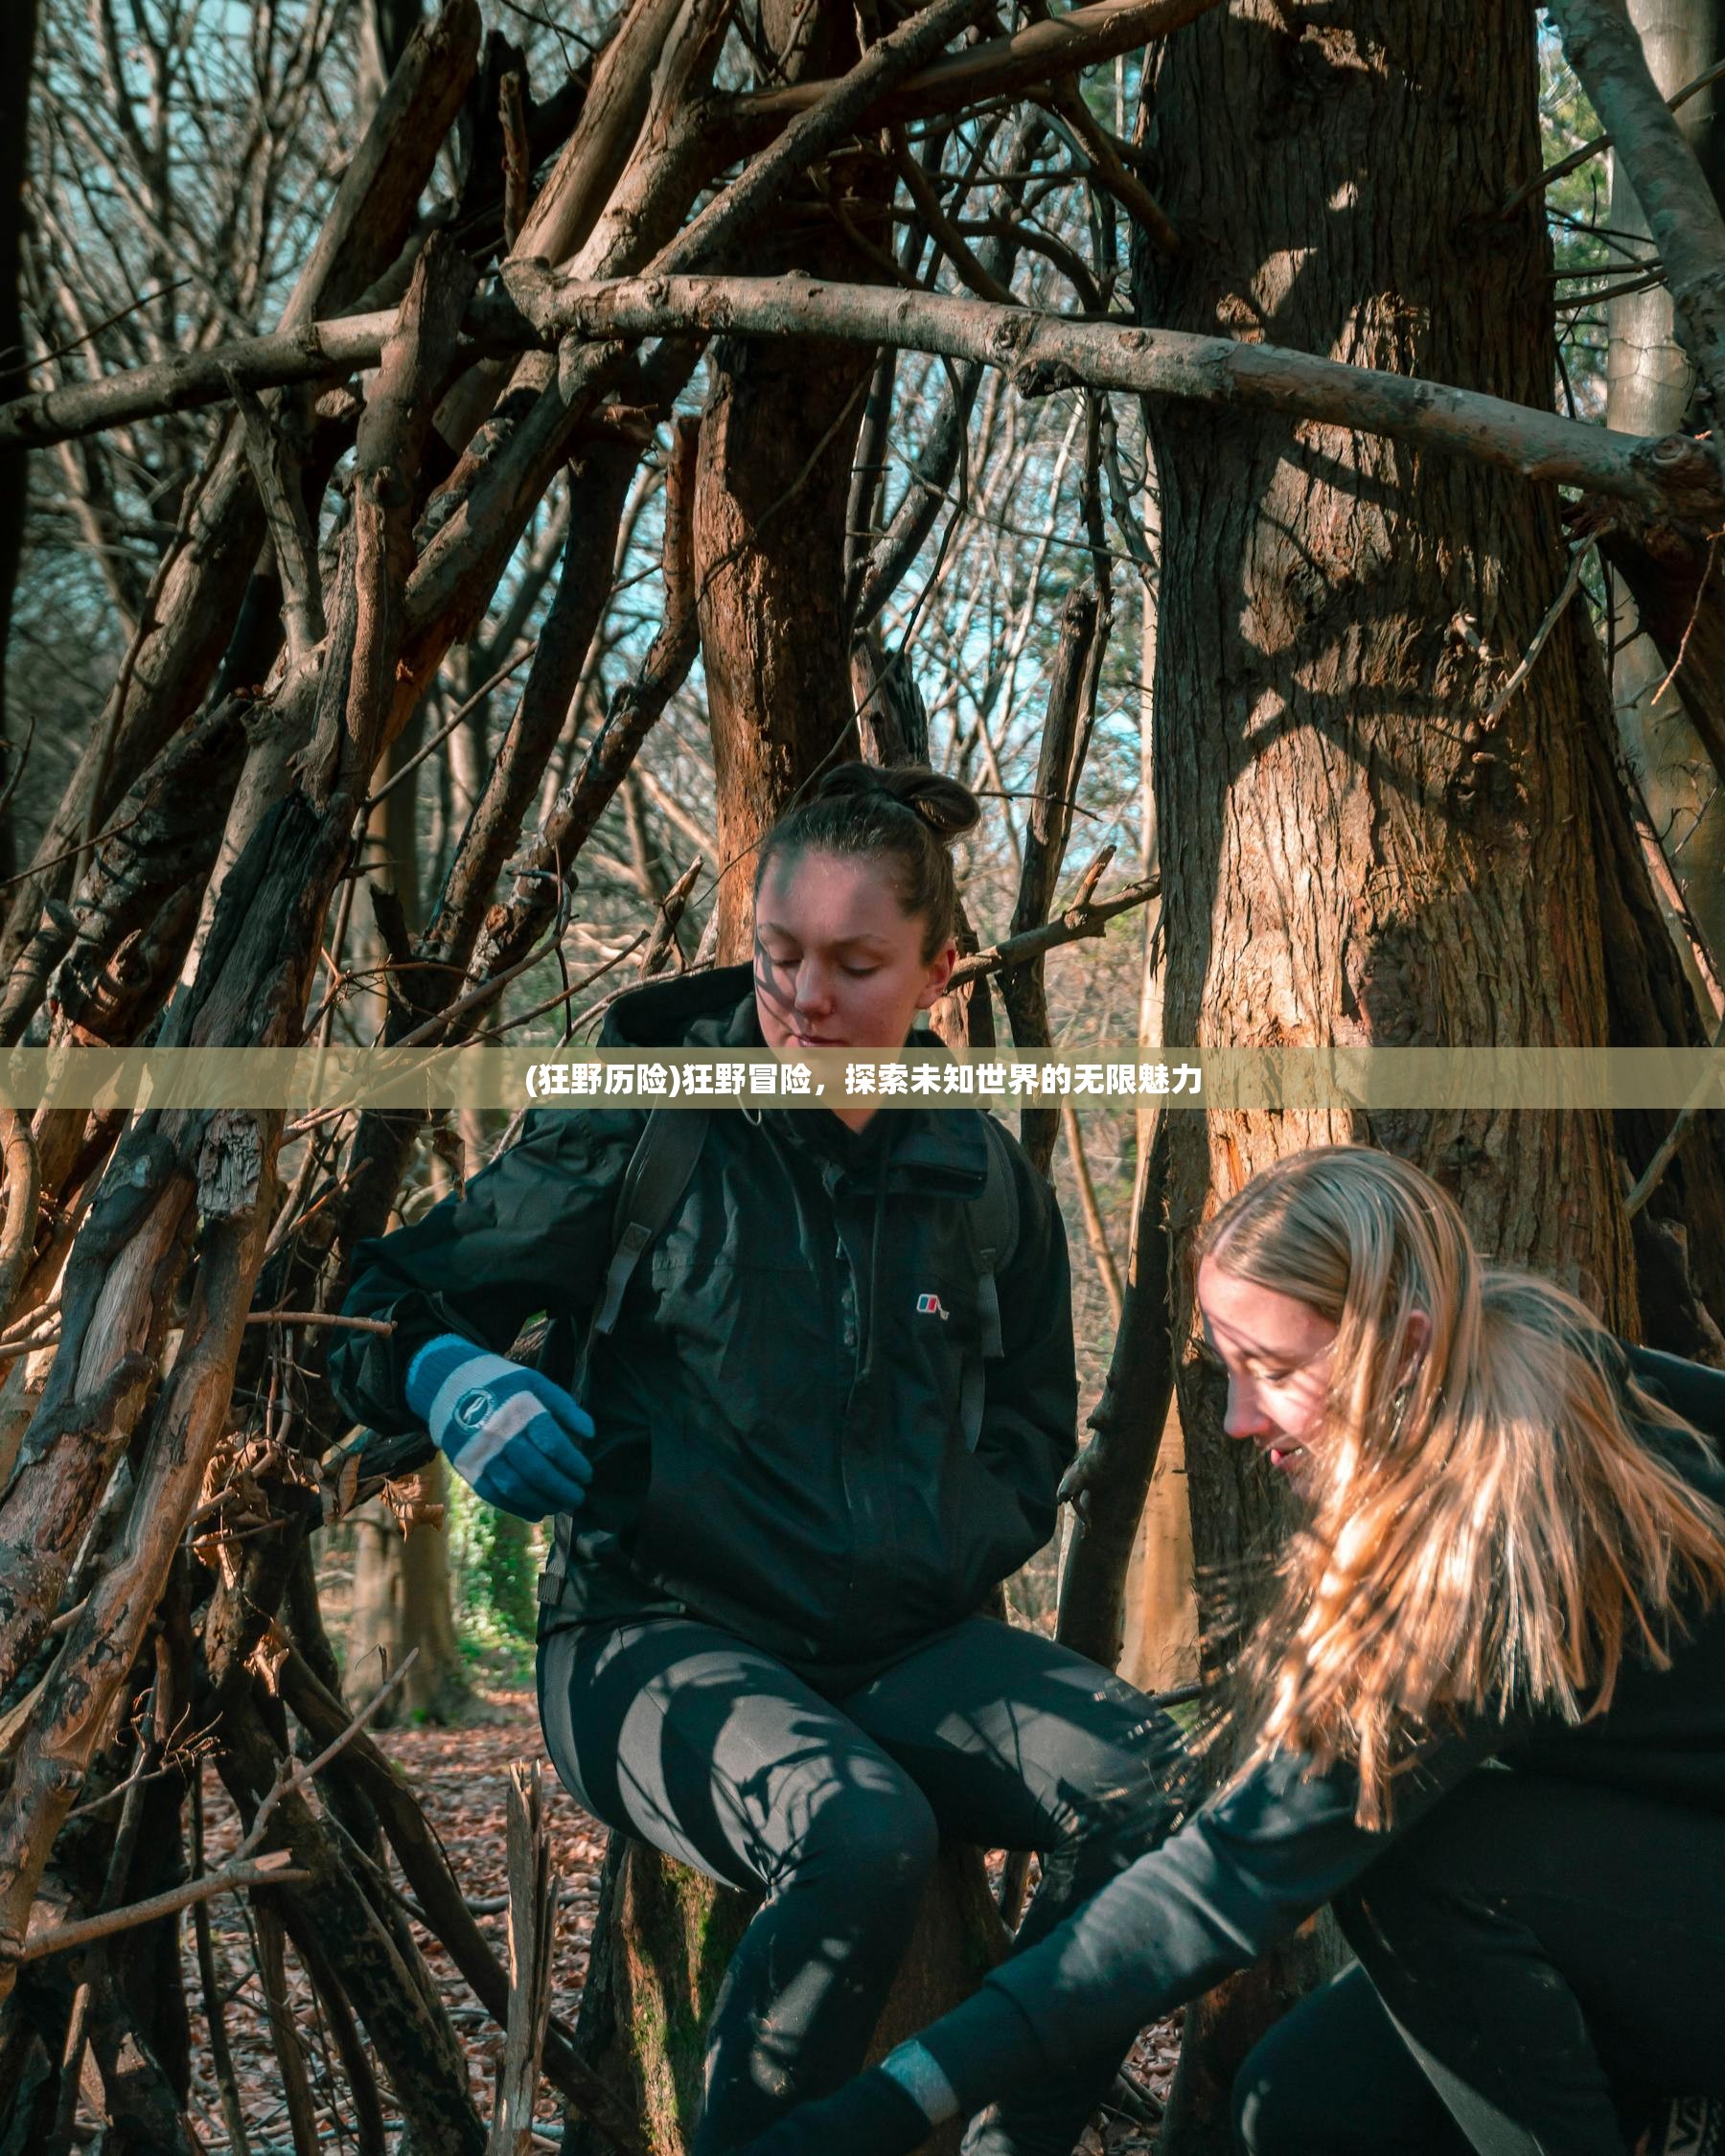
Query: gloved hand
(511, 1434)
(871, 2116)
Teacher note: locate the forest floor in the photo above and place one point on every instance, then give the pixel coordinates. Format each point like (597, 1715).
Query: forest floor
(460, 1776)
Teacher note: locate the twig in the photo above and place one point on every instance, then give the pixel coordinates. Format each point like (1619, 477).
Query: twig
(1107, 170)
(16, 774)
(71, 852)
(113, 717)
(221, 2057)
(1095, 1231)
(444, 732)
(310, 1769)
(959, 250)
(1673, 897)
(672, 907)
(1495, 708)
(574, 988)
(296, 2085)
(1090, 919)
(1600, 142)
(532, 1931)
(268, 1869)
(1666, 1152)
(1689, 627)
(319, 1317)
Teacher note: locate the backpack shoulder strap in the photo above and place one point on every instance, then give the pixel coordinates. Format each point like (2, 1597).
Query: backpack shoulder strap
(656, 1175)
(994, 1230)
(995, 1223)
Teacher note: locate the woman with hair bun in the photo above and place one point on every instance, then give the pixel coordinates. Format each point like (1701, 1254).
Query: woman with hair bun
(1483, 1717)
(827, 1415)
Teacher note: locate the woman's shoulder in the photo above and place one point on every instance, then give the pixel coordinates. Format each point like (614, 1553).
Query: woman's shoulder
(585, 1142)
(1694, 1390)
(1696, 1393)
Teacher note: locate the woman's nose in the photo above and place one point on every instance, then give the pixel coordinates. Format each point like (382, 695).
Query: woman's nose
(814, 991)
(1244, 1416)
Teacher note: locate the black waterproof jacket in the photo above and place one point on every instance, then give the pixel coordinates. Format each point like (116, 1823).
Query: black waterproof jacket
(1261, 1856)
(779, 1444)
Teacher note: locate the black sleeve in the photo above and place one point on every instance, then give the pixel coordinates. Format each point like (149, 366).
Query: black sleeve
(1031, 1412)
(1242, 1873)
(531, 1232)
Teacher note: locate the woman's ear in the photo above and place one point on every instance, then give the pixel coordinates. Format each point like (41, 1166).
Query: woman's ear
(941, 972)
(1416, 1338)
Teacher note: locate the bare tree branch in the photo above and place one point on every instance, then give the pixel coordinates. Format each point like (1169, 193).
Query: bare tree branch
(1670, 474)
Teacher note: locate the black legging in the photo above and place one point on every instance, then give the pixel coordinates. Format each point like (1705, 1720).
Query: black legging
(1541, 1961)
(707, 1748)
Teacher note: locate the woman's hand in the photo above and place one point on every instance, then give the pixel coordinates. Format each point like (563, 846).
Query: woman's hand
(871, 2116)
(511, 1434)
(1080, 1478)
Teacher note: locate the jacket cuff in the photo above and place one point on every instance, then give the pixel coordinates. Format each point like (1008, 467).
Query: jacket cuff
(988, 2048)
(434, 1366)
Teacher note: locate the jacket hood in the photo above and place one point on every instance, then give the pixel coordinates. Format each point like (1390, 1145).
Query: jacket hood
(710, 1010)
(926, 1150)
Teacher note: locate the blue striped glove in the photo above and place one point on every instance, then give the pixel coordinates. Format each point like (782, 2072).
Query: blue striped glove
(511, 1434)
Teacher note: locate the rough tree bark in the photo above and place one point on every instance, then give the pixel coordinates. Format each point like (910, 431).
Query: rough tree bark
(777, 438)
(1343, 833)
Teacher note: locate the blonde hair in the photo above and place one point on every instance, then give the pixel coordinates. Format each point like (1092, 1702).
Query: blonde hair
(1488, 1531)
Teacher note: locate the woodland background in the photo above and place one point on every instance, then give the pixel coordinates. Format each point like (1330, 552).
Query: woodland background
(440, 686)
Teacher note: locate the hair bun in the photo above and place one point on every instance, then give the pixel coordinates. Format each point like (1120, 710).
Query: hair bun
(948, 807)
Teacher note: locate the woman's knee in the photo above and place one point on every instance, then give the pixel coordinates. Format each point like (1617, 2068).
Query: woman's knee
(1333, 2078)
(1272, 2111)
(874, 1829)
(1277, 2109)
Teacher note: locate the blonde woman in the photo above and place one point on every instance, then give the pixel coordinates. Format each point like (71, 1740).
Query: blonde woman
(1484, 1719)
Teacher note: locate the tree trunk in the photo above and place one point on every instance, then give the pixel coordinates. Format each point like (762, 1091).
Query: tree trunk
(1343, 835)
(1649, 384)
(1159, 1650)
(661, 1939)
(401, 1605)
(777, 442)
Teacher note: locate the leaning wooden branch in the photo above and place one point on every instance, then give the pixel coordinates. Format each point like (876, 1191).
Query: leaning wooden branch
(1667, 475)
(1089, 917)
(316, 352)
(1043, 352)
(1081, 38)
